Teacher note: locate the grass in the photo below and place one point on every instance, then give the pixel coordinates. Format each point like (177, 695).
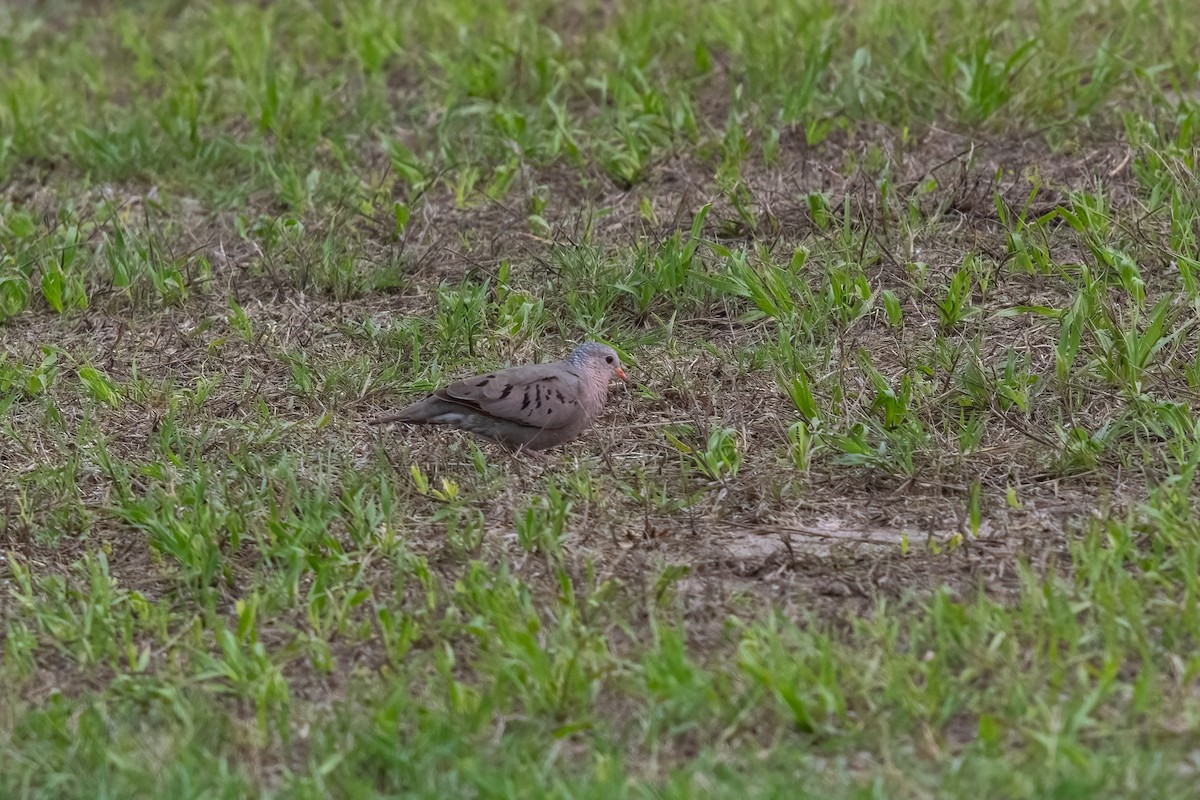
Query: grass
(901, 502)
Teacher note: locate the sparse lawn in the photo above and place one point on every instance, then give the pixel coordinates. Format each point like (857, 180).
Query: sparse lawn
(901, 501)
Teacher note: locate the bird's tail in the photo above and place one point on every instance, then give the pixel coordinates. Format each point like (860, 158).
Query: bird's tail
(429, 409)
(401, 417)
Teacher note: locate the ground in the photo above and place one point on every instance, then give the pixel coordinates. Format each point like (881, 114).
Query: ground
(898, 503)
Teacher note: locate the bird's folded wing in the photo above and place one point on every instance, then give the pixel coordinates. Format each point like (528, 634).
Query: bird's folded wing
(540, 395)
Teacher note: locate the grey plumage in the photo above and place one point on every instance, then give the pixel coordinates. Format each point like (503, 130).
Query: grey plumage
(534, 407)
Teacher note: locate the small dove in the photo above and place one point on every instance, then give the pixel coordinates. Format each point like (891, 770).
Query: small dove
(532, 407)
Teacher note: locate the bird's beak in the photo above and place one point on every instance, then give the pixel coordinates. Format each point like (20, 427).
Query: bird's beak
(621, 374)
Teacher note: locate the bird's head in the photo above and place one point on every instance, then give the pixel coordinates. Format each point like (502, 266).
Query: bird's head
(597, 358)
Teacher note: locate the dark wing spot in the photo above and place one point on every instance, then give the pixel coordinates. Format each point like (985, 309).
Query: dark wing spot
(558, 394)
(507, 391)
(538, 389)
(483, 382)
(549, 410)
(525, 404)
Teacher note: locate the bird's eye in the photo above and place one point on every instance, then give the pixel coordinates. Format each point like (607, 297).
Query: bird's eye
(608, 359)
